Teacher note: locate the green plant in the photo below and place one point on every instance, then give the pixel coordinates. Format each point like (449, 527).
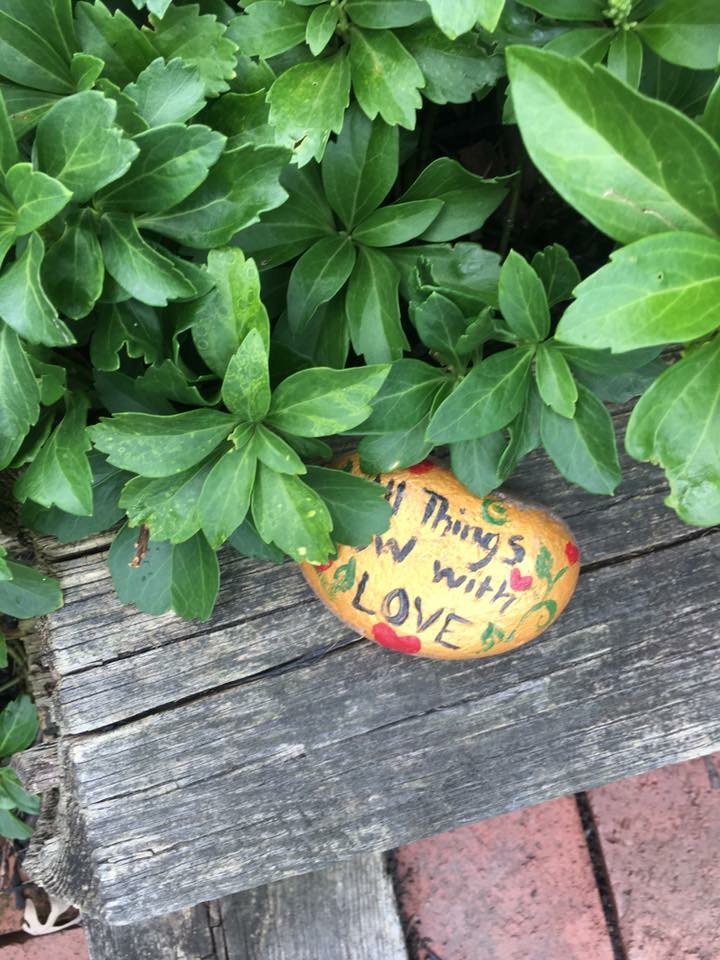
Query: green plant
(229, 234)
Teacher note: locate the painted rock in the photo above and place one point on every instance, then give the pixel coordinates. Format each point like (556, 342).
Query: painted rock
(455, 576)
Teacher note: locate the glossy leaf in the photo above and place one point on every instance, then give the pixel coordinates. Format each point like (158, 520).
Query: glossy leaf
(18, 725)
(373, 309)
(277, 454)
(30, 593)
(73, 270)
(168, 506)
(225, 496)
(317, 276)
(524, 432)
(358, 507)
(167, 92)
(195, 578)
(523, 301)
(246, 386)
(625, 57)
(568, 9)
(268, 28)
(555, 380)
(381, 15)
(385, 77)
(685, 33)
(404, 398)
(291, 515)
(458, 16)
(37, 197)
(246, 540)
(320, 28)
(142, 578)
(24, 305)
(557, 271)
(440, 325)
(397, 223)
(19, 394)
(475, 462)
(393, 451)
(454, 70)
(35, 44)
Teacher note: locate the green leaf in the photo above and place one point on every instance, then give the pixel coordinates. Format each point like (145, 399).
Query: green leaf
(468, 200)
(386, 79)
(676, 423)
(454, 70)
(174, 160)
(60, 473)
(397, 223)
(663, 289)
(8, 148)
(393, 451)
(167, 92)
(523, 301)
(656, 173)
(317, 276)
(373, 309)
(307, 104)
(224, 317)
(115, 39)
(711, 117)
(107, 482)
(568, 9)
(200, 41)
(225, 497)
(29, 594)
(160, 446)
(37, 197)
(464, 273)
(195, 579)
(3, 652)
(78, 144)
(268, 28)
(140, 269)
(557, 271)
(358, 507)
(168, 506)
(274, 452)
(13, 828)
(590, 44)
(35, 41)
(14, 796)
(380, 15)
(583, 448)
(147, 584)
(24, 304)
(685, 33)
(292, 516)
(25, 107)
(555, 380)
(524, 433)
(73, 271)
(625, 57)
(18, 725)
(129, 324)
(246, 387)
(243, 117)
(85, 70)
(621, 387)
(322, 401)
(405, 397)
(440, 324)
(476, 462)
(246, 540)
(360, 166)
(19, 394)
(239, 187)
(488, 398)
(458, 16)
(321, 27)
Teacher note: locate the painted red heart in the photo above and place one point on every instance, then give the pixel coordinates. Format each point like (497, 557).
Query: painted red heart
(518, 582)
(571, 552)
(423, 467)
(386, 637)
(320, 567)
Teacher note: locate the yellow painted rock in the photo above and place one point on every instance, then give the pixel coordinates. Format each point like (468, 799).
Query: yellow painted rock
(455, 576)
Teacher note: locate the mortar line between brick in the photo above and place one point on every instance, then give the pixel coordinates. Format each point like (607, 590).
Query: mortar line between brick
(601, 875)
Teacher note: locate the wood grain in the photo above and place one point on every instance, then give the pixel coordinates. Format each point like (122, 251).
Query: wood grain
(183, 935)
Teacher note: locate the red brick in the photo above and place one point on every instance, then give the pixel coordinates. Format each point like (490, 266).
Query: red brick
(67, 945)
(517, 887)
(660, 837)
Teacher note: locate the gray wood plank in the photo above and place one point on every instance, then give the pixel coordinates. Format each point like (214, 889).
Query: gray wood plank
(362, 750)
(346, 912)
(184, 935)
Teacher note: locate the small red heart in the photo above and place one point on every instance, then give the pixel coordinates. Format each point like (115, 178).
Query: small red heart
(518, 582)
(423, 467)
(320, 567)
(571, 552)
(386, 637)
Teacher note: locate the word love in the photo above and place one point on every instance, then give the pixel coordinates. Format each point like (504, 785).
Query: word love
(455, 576)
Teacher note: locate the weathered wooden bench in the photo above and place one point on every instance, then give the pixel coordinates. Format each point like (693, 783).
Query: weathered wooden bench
(199, 760)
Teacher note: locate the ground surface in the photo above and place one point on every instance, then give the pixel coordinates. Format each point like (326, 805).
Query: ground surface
(629, 871)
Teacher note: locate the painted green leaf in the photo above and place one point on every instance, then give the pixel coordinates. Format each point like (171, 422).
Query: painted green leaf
(138, 267)
(476, 462)
(225, 496)
(268, 28)
(454, 70)
(147, 584)
(397, 223)
(18, 725)
(73, 270)
(373, 308)
(275, 453)
(246, 386)
(404, 398)
(78, 144)
(174, 160)
(317, 276)
(685, 33)
(160, 446)
(239, 187)
(60, 473)
(167, 92)
(24, 304)
(676, 423)
(358, 507)
(458, 16)
(291, 515)
(19, 394)
(583, 448)
(322, 401)
(557, 271)
(523, 301)
(555, 380)
(307, 104)
(662, 289)
(37, 197)
(625, 57)
(360, 166)
(35, 44)
(385, 77)
(223, 318)
(656, 173)
(321, 27)
(487, 398)
(30, 593)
